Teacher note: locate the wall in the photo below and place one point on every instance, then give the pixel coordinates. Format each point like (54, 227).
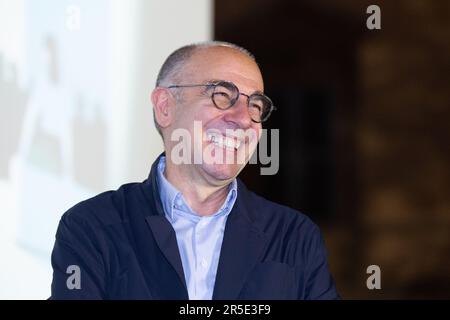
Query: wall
(75, 113)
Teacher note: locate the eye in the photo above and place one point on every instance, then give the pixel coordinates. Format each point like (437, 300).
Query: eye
(256, 106)
(222, 94)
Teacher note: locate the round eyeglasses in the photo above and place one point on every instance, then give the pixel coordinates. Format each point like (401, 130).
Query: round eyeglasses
(225, 94)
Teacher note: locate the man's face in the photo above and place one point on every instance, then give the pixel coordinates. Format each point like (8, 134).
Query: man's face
(222, 136)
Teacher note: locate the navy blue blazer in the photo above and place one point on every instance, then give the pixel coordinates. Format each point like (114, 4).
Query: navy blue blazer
(125, 248)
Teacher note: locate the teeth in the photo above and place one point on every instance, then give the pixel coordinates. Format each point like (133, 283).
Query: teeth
(223, 142)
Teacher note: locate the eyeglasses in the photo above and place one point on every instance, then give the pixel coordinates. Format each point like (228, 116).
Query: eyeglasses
(225, 94)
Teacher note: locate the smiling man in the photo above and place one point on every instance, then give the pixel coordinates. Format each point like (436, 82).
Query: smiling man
(192, 230)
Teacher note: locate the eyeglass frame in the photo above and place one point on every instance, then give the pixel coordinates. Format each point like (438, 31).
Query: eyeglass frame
(218, 83)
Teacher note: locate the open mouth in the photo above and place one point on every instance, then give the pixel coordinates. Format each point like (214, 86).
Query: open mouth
(221, 141)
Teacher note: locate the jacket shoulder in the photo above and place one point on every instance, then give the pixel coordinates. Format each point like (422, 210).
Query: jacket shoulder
(269, 215)
(107, 207)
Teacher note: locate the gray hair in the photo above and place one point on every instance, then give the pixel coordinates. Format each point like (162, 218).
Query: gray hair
(171, 69)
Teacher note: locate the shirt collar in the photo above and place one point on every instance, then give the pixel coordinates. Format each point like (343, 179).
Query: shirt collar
(172, 198)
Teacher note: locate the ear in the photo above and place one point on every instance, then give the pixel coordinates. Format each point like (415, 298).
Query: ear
(163, 105)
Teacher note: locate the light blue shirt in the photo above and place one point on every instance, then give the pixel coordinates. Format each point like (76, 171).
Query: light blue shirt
(199, 238)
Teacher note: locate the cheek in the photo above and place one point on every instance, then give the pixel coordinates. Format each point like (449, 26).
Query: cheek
(201, 111)
(258, 129)
(185, 117)
(208, 115)
(194, 119)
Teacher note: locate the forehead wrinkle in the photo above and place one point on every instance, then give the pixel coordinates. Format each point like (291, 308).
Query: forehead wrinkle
(222, 62)
(233, 78)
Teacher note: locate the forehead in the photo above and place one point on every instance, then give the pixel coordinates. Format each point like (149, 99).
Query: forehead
(222, 63)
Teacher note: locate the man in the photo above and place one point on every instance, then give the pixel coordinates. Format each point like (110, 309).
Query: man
(192, 230)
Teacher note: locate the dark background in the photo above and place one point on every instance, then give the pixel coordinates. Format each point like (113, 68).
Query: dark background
(363, 118)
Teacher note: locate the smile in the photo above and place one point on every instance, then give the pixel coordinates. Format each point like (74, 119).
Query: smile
(222, 141)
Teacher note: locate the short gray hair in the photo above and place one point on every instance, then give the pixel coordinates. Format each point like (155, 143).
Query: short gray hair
(175, 62)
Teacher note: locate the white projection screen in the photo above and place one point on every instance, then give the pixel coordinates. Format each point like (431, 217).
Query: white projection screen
(75, 114)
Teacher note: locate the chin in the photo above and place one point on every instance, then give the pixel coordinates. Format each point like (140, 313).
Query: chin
(222, 171)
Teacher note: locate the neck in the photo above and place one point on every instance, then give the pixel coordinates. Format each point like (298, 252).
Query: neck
(204, 199)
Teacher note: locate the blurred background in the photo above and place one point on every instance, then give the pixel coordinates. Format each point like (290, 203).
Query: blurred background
(363, 118)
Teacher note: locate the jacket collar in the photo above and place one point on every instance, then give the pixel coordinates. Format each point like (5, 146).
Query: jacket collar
(242, 245)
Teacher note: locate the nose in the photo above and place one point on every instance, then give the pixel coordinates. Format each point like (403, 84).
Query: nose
(238, 113)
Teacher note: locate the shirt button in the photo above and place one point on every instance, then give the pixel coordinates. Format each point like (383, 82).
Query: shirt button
(204, 263)
(178, 202)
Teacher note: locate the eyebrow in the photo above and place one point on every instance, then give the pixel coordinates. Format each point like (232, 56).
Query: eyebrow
(212, 81)
(258, 92)
(215, 81)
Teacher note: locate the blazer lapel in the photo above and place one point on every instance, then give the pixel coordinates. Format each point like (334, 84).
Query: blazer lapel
(241, 250)
(166, 239)
(162, 231)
